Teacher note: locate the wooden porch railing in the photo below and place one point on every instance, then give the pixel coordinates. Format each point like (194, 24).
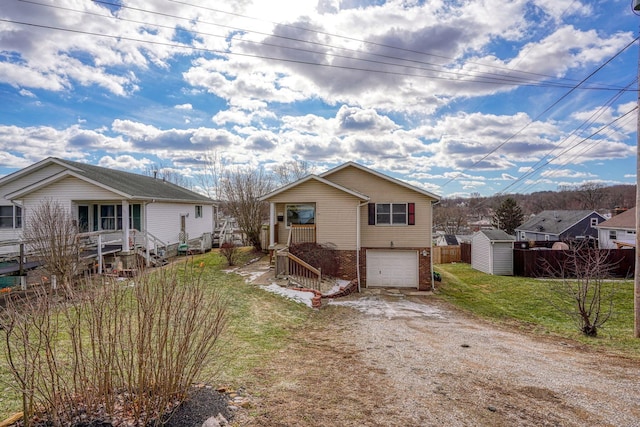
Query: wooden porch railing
(301, 233)
(289, 265)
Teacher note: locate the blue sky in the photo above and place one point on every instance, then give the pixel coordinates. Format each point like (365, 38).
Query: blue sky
(456, 97)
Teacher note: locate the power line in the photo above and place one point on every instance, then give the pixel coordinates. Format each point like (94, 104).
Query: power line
(545, 111)
(487, 78)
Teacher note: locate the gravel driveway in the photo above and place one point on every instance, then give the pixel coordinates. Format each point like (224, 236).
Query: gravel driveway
(390, 359)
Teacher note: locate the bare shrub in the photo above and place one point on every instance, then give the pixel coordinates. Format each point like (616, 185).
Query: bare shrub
(231, 252)
(581, 292)
(324, 256)
(51, 234)
(116, 353)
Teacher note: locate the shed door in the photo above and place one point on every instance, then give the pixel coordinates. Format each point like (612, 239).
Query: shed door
(392, 268)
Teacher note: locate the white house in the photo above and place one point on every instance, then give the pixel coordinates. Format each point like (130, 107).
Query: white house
(619, 231)
(136, 209)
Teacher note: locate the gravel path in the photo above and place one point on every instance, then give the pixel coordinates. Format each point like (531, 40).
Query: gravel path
(452, 369)
(390, 359)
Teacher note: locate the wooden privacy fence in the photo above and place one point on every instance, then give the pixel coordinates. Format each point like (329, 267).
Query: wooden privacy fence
(465, 252)
(535, 263)
(446, 254)
(289, 265)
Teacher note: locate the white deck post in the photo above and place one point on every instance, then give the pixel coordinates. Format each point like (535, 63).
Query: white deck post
(272, 224)
(125, 226)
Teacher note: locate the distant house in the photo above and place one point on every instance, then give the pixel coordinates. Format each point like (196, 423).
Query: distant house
(381, 227)
(447, 240)
(619, 231)
(133, 209)
(556, 225)
(492, 252)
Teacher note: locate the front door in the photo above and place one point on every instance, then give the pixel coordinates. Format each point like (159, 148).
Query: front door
(83, 218)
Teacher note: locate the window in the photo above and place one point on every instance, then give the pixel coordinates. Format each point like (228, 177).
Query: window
(523, 235)
(392, 214)
(198, 211)
(594, 222)
(10, 217)
(613, 235)
(18, 222)
(6, 216)
(301, 214)
(107, 217)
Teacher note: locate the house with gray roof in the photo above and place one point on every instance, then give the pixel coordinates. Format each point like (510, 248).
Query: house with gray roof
(134, 210)
(561, 225)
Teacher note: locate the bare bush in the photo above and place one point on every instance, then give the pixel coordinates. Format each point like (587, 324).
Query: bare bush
(51, 234)
(231, 252)
(116, 353)
(581, 292)
(324, 256)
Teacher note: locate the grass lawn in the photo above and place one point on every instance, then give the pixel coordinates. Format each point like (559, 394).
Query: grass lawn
(259, 324)
(525, 303)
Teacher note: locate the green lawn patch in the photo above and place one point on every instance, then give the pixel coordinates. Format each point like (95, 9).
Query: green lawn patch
(526, 303)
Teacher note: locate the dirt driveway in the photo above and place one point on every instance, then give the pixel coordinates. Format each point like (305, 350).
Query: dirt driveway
(388, 359)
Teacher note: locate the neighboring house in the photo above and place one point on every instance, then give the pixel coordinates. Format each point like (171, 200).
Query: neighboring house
(133, 209)
(560, 225)
(380, 226)
(492, 252)
(619, 231)
(447, 240)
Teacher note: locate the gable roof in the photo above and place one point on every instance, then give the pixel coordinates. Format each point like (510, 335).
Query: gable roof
(128, 185)
(380, 175)
(555, 222)
(496, 235)
(625, 220)
(314, 178)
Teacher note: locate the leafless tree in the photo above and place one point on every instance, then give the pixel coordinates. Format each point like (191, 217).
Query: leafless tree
(51, 234)
(449, 217)
(168, 174)
(241, 189)
(291, 171)
(209, 178)
(580, 291)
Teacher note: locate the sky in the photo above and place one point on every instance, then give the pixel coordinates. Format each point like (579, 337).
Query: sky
(459, 98)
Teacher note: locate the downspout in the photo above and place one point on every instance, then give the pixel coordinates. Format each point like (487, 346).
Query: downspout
(433, 286)
(358, 241)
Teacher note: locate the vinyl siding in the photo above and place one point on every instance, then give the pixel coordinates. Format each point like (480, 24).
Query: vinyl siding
(335, 213)
(14, 185)
(502, 257)
(163, 221)
(480, 253)
(383, 191)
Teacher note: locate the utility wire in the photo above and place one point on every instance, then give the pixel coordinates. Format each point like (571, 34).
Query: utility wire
(286, 60)
(476, 76)
(382, 45)
(546, 110)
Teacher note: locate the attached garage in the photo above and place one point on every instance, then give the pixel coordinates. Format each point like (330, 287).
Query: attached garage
(392, 268)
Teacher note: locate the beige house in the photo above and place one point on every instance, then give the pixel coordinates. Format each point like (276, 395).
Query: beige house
(380, 226)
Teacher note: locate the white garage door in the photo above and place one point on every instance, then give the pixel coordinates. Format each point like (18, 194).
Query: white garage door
(392, 268)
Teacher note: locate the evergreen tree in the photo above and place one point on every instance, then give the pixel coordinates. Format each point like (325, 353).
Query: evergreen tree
(508, 216)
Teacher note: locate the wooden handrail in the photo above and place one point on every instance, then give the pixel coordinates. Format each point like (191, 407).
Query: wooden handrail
(291, 266)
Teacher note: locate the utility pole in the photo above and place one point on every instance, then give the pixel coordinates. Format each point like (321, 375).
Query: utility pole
(636, 277)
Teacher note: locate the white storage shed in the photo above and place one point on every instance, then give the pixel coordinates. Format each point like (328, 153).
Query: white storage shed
(492, 252)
